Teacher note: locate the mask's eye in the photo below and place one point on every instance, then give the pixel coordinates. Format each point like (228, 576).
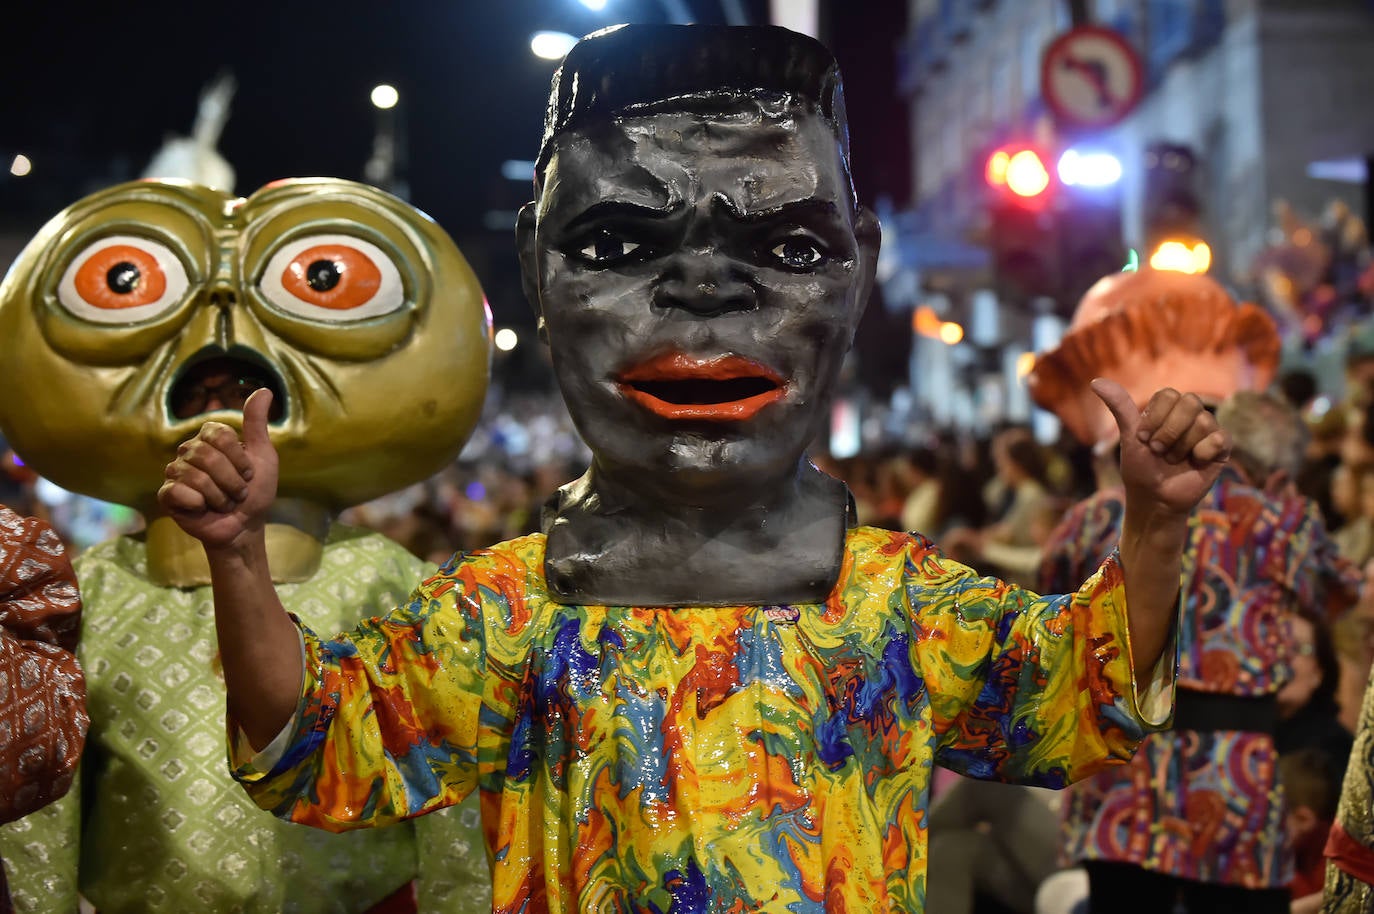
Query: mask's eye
(798, 253)
(122, 279)
(606, 247)
(333, 278)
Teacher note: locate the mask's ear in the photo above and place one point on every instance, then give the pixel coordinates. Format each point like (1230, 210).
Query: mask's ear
(868, 233)
(529, 262)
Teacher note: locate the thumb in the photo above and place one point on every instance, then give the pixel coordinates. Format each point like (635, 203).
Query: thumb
(1122, 407)
(255, 411)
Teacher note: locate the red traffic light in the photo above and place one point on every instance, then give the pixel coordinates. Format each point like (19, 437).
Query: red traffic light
(1019, 169)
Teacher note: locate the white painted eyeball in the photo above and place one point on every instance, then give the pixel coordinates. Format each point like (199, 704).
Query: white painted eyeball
(334, 278)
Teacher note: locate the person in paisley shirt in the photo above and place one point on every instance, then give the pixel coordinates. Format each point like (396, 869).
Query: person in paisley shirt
(43, 717)
(699, 688)
(1196, 819)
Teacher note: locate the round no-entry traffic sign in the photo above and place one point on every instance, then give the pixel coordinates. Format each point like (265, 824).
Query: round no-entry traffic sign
(1091, 77)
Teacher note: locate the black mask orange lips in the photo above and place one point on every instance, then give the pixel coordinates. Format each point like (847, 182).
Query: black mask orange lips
(681, 387)
(215, 380)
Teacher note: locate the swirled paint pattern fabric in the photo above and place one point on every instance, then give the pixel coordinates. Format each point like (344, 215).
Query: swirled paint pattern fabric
(739, 758)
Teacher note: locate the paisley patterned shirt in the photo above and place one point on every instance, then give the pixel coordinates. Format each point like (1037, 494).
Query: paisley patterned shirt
(156, 824)
(739, 758)
(1208, 805)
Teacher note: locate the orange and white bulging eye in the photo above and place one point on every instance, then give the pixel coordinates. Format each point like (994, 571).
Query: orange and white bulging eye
(122, 279)
(333, 278)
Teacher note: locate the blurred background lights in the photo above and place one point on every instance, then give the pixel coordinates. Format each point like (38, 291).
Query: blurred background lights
(1026, 174)
(518, 170)
(926, 322)
(551, 45)
(997, 167)
(951, 333)
(20, 166)
(1089, 169)
(506, 339)
(1182, 257)
(385, 96)
(594, 5)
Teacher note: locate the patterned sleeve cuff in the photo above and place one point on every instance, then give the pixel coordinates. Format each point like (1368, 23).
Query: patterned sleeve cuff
(249, 766)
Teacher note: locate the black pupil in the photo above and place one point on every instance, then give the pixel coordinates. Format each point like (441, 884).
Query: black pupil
(322, 275)
(798, 253)
(608, 246)
(122, 278)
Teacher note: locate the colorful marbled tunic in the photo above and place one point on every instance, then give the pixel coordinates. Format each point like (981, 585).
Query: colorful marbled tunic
(745, 758)
(1207, 805)
(158, 825)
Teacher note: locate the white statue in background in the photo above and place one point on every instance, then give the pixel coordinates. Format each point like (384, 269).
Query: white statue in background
(195, 158)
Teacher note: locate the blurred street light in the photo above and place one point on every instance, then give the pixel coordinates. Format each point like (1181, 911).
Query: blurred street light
(1027, 175)
(926, 322)
(551, 45)
(385, 96)
(506, 339)
(385, 168)
(1182, 256)
(1083, 168)
(21, 165)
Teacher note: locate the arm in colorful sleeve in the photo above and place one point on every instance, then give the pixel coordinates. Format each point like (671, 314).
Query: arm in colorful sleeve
(1029, 689)
(389, 720)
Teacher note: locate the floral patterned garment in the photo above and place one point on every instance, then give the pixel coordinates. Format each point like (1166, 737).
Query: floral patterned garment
(699, 759)
(1208, 805)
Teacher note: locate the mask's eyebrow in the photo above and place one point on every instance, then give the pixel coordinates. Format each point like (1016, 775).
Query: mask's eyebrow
(608, 210)
(799, 211)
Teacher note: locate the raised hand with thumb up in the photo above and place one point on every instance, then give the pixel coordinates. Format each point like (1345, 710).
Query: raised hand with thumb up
(219, 490)
(220, 485)
(1171, 452)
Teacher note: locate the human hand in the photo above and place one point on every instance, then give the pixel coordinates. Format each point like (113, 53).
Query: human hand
(1171, 452)
(220, 486)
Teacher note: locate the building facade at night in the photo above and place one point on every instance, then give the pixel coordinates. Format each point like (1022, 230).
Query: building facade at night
(1264, 93)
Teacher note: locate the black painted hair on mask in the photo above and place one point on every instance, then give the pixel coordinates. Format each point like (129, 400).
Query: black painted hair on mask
(629, 69)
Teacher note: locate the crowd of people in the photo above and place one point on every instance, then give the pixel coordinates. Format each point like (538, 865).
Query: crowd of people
(992, 502)
(768, 738)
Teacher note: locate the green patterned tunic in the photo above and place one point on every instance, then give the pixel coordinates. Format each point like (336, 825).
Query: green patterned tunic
(165, 828)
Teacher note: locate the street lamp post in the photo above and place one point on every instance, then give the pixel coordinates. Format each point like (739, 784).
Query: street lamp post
(388, 159)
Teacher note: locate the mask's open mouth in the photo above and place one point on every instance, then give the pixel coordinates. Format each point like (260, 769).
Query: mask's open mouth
(682, 387)
(215, 381)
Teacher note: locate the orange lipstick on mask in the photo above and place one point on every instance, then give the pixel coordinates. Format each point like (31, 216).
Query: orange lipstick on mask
(674, 385)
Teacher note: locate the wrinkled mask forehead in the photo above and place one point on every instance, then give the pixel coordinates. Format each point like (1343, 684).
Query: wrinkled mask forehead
(705, 130)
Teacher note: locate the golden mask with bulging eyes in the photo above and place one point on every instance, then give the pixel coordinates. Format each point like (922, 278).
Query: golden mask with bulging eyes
(143, 310)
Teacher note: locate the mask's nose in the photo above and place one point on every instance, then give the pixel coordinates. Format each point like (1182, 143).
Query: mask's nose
(706, 284)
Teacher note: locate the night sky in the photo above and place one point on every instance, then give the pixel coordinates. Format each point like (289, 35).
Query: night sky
(91, 90)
